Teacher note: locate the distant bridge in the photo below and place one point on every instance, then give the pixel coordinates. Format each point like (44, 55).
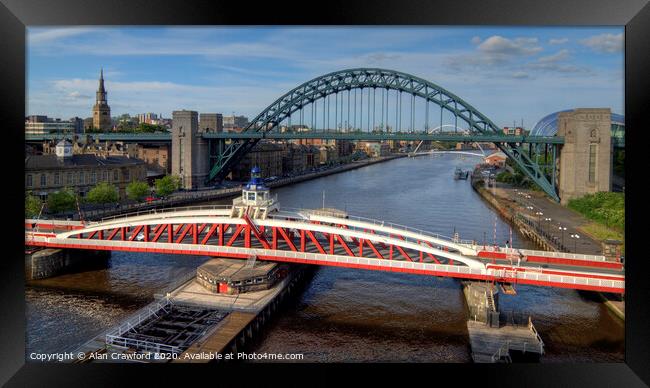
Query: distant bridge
(436, 152)
(327, 135)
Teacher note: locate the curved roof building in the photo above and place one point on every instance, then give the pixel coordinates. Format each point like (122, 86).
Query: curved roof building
(547, 126)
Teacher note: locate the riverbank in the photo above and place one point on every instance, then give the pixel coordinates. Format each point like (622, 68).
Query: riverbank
(550, 230)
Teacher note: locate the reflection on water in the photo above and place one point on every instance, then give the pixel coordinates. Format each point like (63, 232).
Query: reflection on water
(346, 314)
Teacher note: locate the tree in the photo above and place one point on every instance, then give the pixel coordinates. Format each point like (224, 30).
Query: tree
(103, 193)
(167, 185)
(33, 205)
(61, 201)
(137, 190)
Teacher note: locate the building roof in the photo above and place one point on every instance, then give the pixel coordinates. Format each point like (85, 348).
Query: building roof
(38, 162)
(547, 126)
(497, 154)
(236, 270)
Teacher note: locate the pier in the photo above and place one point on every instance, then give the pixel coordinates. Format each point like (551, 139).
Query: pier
(495, 336)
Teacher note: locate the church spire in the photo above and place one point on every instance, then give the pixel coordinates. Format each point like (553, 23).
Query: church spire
(101, 81)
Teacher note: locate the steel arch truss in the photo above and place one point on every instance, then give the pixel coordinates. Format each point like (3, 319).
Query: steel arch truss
(345, 80)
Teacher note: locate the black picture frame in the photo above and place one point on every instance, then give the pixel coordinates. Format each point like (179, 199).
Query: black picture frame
(15, 15)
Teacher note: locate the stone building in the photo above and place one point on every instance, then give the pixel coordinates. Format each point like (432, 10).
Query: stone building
(294, 159)
(156, 157)
(375, 149)
(266, 155)
(45, 174)
(105, 148)
(586, 157)
(189, 150)
(234, 123)
(101, 110)
(328, 154)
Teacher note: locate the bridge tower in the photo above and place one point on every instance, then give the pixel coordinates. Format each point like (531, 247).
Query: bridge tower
(586, 158)
(256, 200)
(189, 150)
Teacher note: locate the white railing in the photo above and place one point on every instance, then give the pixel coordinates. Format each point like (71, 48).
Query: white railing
(566, 279)
(126, 216)
(530, 252)
(503, 350)
(143, 315)
(539, 339)
(141, 345)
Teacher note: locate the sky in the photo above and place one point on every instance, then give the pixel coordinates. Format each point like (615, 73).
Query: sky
(507, 73)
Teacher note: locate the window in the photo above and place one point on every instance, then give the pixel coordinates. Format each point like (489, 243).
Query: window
(70, 178)
(127, 175)
(43, 180)
(93, 177)
(251, 196)
(57, 178)
(29, 180)
(116, 175)
(593, 153)
(104, 175)
(81, 178)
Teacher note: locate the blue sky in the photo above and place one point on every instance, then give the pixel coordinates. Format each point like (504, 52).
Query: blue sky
(509, 73)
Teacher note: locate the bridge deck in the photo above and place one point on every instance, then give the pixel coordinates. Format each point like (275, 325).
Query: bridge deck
(305, 237)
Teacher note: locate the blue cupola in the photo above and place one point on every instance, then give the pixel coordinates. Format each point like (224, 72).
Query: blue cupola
(256, 182)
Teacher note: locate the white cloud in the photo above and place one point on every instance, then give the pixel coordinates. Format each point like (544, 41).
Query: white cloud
(476, 40)
(499, 45)
(54, 34)
(605, 43)
(558, 56)
(558, 41)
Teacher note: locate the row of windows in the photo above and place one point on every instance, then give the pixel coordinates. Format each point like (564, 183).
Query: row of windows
(80, 178)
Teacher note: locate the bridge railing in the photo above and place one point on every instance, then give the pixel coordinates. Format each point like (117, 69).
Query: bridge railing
(409, 229)
(165, 211)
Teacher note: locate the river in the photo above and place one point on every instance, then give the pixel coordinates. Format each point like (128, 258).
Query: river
(346, 314)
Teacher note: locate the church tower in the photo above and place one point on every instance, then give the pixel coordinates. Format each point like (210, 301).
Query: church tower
(101, 110)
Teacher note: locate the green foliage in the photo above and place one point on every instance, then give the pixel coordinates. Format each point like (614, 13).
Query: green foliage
(516, 179)
(167, 185)
(603, 207)
(61, 201)
(129, 127)
(33, 205)
(137, 190)
(103, 193)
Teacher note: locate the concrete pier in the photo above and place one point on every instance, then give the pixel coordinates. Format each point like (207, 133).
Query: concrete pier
(45, 263)
(494, 336)
(235, 321)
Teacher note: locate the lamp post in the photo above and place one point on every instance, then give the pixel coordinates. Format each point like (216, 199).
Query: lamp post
(562, 228)
(548, 222)
(575, 242)
(539, 219)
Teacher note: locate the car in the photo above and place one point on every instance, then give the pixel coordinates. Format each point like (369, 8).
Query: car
(151, 198)
(140, 237)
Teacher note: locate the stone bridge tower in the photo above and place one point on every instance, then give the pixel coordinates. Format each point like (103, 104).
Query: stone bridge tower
(189, 150)
(586, 158)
